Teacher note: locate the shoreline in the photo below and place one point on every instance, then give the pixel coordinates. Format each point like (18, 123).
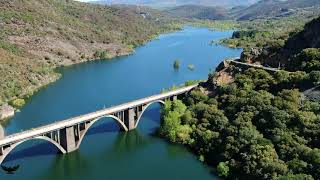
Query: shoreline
(55, 75)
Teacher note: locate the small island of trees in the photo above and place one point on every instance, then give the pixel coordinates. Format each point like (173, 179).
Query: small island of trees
(176, 64)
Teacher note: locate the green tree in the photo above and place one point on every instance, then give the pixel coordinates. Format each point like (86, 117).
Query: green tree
(223, 169)
(18, 103)
(296, 177)
(262, 161)
(176, 64)
(314, 77)
(171, 126)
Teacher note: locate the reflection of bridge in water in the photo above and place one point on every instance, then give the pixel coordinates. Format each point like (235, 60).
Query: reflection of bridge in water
(67, 135)
(72, 164)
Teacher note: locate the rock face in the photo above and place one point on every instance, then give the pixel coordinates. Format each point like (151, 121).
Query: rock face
(249, 56)
(6, 111)
(307, 38)
(313, 94)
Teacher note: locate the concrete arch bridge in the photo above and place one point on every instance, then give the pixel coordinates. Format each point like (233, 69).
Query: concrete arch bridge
(68, 134)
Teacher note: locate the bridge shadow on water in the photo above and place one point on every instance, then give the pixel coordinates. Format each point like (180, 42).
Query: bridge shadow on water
(40, 148)
(37, 149)
(124, 141)
(153, 116)
(70, 165)
(109, 126)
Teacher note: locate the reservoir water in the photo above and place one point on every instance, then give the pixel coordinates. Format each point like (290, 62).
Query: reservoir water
(106, 152)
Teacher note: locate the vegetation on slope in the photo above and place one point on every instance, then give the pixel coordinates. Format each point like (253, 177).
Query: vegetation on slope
(273, 8)
(39, 35)
(269, 32)
(260, 126)
(299, 52)
(260, 29)
(199, 12)
(264, 9)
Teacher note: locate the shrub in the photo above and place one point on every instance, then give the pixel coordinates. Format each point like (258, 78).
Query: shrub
(102, 54)
(223, 169)
(59, 53)
(314, 77)
(18, 103)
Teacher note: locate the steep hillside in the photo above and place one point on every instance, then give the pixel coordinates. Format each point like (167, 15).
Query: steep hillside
(258, 33)
(300, 52)
(237, 9)
(273, 8)
(199, 12)
(308, 38)
(261, 124)
(38, 35)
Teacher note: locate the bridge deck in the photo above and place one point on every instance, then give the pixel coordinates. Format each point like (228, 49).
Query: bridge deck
(83, 118)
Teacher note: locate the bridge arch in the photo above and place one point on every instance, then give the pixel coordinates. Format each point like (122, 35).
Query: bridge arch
(120, 123)
(161, 102)
(12, 147)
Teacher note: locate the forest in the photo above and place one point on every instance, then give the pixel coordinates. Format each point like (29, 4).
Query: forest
(259, 126)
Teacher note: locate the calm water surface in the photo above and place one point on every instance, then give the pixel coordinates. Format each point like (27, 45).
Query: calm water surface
(105, 152)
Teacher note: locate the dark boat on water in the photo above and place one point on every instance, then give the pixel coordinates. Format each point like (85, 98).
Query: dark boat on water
(10, 170)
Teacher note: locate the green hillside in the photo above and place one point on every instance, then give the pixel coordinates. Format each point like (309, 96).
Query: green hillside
(264, 9)
(38, 35)
(260, 125)
(273, 8)
(199, 12)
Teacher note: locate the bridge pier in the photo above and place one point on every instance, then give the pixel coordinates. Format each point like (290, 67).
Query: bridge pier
(139, 110)
(130, 118)
(68, 139)
(2, 154)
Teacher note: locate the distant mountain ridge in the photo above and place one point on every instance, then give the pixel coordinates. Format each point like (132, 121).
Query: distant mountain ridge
(171, 3)
(272, 8)
(220, 10)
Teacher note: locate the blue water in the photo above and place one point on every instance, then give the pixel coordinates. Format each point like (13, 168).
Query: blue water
(107, 153)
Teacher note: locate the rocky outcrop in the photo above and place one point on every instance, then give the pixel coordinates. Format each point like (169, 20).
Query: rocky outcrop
(249, 56)
(284, 56)
(224, 74)
(313, 94)
(308, 38)
(6, 111)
